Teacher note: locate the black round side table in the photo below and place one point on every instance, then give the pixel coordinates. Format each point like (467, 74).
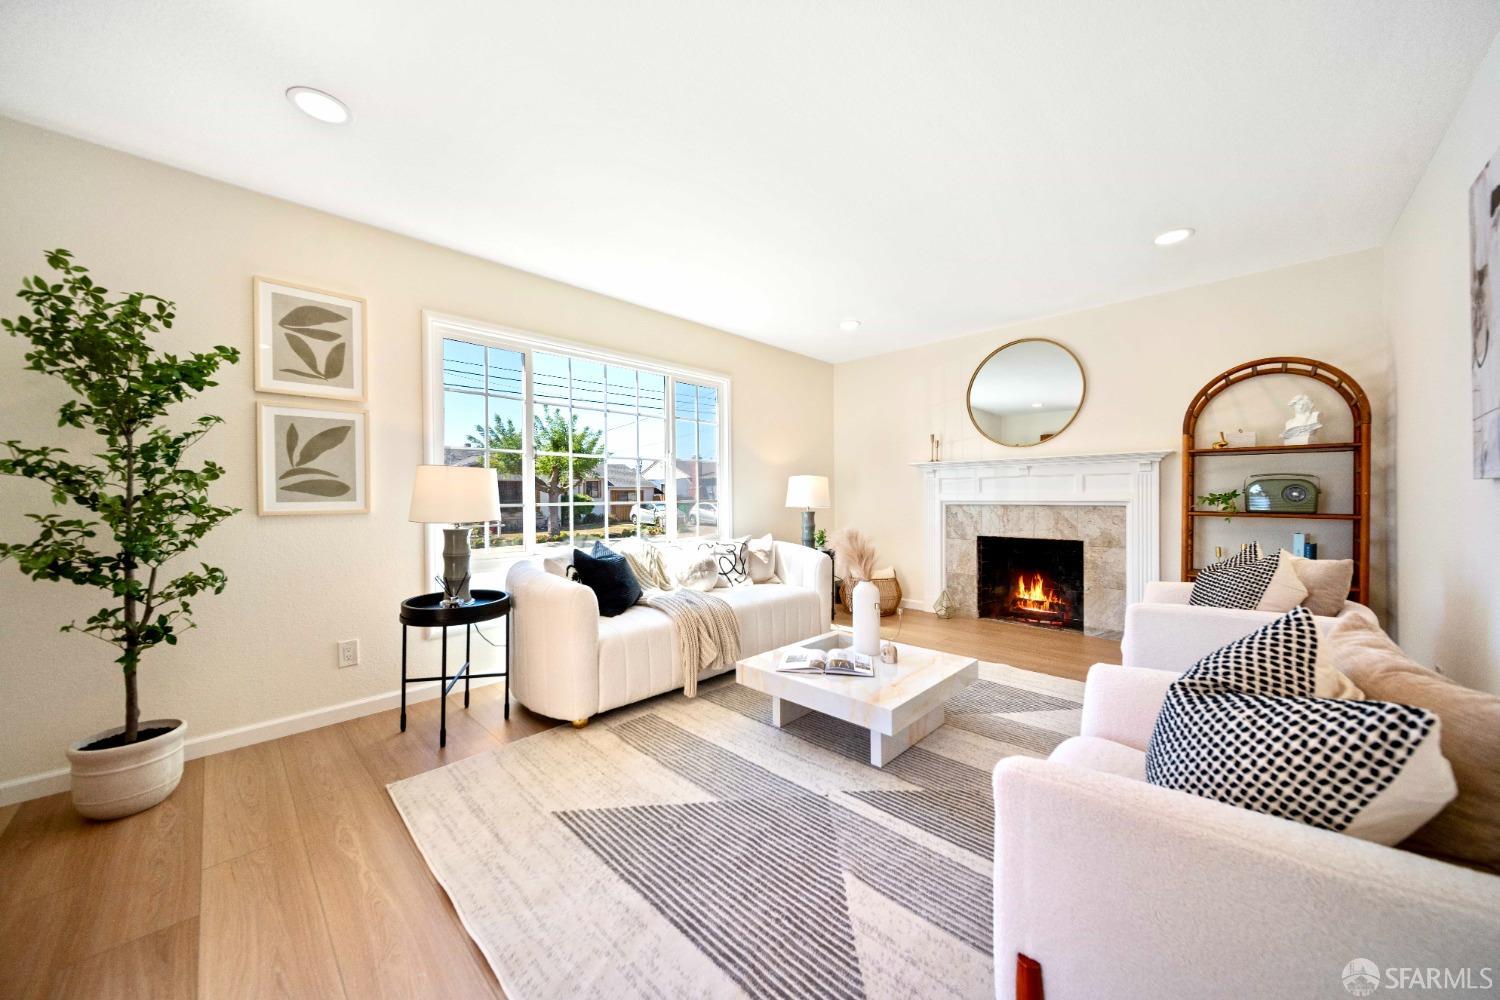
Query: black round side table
(427, 611)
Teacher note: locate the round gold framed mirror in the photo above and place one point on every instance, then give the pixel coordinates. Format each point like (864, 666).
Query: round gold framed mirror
(1026, 392)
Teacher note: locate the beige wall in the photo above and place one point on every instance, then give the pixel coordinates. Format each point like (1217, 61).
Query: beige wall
(1143, 360)
(265, 649)
(1447, 538)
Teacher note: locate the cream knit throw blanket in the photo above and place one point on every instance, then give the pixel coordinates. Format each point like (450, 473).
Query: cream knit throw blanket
(708, 634)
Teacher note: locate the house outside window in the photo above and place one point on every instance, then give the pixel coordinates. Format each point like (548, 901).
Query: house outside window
(587, 445)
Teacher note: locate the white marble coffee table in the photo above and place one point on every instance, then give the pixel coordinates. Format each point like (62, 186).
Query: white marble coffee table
(900, 705)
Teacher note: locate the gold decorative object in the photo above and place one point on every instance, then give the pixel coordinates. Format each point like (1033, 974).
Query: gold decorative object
(943, 606)
(1223, 441)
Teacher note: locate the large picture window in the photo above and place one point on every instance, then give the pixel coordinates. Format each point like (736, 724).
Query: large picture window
(586, 445)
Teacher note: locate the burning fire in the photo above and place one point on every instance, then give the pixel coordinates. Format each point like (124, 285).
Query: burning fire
(1035, 595)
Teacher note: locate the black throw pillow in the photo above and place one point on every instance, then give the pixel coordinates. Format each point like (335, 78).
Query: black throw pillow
(609, 576)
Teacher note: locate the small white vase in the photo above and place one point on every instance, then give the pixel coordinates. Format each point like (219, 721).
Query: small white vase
(866, 610)
(119, 781)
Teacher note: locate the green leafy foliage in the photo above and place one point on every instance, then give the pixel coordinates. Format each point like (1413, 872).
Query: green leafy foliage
(551, 431)
(138, 503)
(1227, 502)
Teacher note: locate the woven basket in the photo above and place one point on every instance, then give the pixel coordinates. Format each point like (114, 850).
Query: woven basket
(890, 595)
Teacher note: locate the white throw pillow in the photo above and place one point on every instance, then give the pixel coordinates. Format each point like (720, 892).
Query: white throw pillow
(1327, 582)
(560, 565)
(690, 568)
(730, 560)
(760, 555)
(1285, 591)
(1243, 727)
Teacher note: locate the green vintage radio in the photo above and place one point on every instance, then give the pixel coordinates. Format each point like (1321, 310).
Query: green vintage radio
(1282, 494)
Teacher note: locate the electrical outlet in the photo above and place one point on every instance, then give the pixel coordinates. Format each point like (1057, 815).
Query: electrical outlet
(348, 652)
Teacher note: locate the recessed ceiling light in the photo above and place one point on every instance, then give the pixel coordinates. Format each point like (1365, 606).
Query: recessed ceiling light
(849, 325)
(316, 104)
(1036, 406)
(1171, 236)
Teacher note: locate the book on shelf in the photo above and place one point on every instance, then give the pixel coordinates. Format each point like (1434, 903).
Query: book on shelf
(842, 662)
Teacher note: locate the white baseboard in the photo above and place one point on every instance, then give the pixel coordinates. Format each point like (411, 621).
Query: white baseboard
(33, 786)
(913, 604)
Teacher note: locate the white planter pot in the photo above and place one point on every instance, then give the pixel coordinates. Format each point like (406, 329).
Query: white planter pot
(119, 781)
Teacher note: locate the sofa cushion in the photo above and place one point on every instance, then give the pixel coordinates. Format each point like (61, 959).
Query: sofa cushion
(1285, 591)
(1237, 582)
(561, 565)
(1098, 754)
(690, 568)
(609, 576)
(760, 557)
(1468, 829)
(647, 563)
(1327, 582)
(773, 614)
(729, 561)
(1243, 727)
(638, 649)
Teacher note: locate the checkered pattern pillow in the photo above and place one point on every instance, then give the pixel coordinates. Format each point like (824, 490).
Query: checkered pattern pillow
(1243, 727)
(1237, 582)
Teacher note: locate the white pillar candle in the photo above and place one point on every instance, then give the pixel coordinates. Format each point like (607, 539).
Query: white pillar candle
(866, 618)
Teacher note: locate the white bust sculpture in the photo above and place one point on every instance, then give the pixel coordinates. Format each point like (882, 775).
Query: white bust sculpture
(1303, 422)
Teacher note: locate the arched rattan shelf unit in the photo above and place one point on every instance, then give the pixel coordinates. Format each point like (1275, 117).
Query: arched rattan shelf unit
(1358, 449)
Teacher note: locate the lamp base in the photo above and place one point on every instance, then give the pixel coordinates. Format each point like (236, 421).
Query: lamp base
(456, 567)
(809, 529)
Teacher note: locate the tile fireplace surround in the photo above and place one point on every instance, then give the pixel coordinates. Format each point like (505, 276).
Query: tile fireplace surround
(1112, 503)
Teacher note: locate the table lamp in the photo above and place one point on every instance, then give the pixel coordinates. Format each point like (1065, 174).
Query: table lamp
(455, 495)
(807, 492)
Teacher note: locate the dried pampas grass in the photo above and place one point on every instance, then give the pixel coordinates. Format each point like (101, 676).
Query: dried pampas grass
(854, 554)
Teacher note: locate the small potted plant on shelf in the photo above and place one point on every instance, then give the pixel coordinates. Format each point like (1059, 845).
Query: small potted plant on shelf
(139, 503)
(1228, 503)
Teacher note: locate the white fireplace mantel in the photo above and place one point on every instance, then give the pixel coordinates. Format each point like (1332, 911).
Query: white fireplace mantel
(1128, 479)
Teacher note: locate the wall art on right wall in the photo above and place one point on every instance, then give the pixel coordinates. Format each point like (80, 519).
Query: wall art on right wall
(1484, 255)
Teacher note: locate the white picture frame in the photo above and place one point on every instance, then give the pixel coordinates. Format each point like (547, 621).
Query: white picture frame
(309, 342)
(302, 459)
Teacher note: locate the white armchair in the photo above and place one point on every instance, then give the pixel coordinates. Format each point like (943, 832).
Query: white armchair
(1164, 632)
(1122, 889)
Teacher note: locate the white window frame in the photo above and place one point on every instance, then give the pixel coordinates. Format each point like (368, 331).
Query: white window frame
(438, 326)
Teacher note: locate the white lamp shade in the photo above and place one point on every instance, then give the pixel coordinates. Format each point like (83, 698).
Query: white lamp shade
(447, 494)
(807, 492)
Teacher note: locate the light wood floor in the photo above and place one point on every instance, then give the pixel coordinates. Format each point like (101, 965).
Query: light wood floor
(283, 870)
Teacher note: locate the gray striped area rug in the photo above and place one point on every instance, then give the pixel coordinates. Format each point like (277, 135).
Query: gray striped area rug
(685, 848)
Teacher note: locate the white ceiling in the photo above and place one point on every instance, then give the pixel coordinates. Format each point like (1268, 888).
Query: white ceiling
(770, 167)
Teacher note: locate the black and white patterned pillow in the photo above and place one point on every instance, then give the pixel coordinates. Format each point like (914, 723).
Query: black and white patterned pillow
(1243, 727)
(1237, 582)
(732, 562)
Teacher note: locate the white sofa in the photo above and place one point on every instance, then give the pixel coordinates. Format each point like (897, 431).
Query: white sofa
(1125, 890)
(569, 663)
(1164, 632)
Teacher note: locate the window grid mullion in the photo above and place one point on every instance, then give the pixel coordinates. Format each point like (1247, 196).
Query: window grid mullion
(528, 457)
(530, 506)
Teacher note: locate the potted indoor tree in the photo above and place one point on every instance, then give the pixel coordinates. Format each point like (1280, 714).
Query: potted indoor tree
(139, 505)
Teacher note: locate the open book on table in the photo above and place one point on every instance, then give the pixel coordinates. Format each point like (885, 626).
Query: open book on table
(842, 662)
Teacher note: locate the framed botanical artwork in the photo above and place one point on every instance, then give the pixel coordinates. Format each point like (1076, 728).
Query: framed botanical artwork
(308, 342)
(313, 460)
